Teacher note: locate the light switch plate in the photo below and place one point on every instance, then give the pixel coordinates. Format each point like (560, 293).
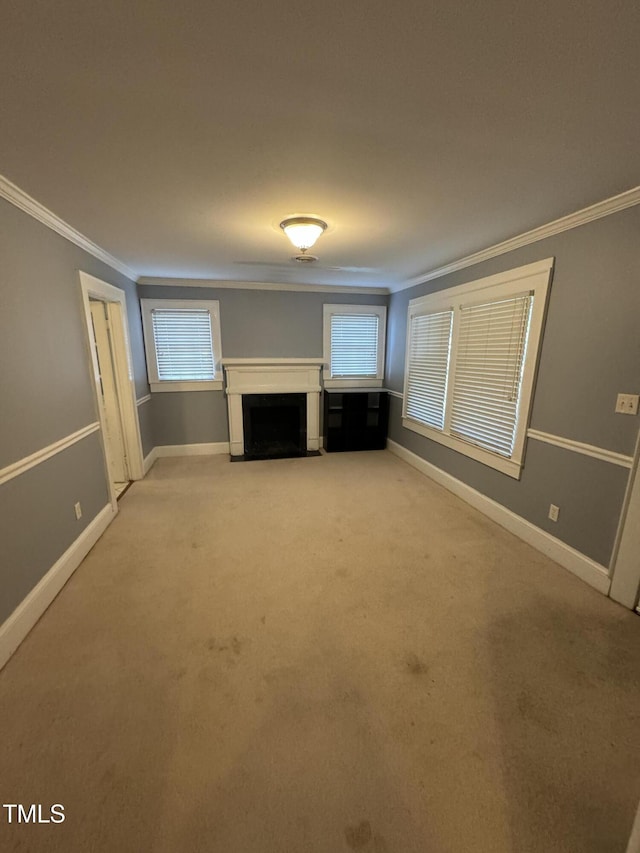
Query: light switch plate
(627, 404)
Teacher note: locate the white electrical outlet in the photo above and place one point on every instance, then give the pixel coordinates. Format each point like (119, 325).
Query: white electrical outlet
(78, 509)
(627, 404)
(553, 512)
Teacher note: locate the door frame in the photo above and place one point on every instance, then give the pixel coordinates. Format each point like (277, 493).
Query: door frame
(95, 288)
(102, 314)
(625, 565)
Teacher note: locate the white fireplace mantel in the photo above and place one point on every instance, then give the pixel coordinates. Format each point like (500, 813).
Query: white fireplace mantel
(272, 376)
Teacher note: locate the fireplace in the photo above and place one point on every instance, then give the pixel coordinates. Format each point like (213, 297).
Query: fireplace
(274, 406)
(275, 425)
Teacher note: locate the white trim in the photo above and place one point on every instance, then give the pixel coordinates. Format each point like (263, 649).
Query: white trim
(449, 295)
(625, 567)
(22, 465)
(249, 362)
(29, 205)
(142, 400)
(534, 278)
(260, 378)
(328, 309)
(634, 839)
(272, 376)
(150, 281)
(579, 564)
(493, 460)
(209, 449)
(24, 617)
(353, 384)
(579, 447)
(171, 386)
(630, 198)
(92, 287)
(212, 307)
(149, 459)
(395, 394)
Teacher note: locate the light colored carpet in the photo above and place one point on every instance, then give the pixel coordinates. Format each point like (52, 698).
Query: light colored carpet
(315, 656)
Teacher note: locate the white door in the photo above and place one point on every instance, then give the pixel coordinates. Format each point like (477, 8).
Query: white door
(625, 585)
(108, 395)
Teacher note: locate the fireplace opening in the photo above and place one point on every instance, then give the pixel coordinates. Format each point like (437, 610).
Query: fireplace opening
(275, 425)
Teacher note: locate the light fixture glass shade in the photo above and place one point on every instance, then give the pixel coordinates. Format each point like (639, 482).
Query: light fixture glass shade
(303, 231)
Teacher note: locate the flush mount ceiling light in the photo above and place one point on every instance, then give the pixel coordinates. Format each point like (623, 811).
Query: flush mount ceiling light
(303, 231)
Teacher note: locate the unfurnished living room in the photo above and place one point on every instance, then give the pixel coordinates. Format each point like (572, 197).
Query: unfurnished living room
(320, 367)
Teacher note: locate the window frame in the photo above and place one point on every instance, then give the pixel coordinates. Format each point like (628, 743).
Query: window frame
(155, 383)
(534, 279)
(328, 309)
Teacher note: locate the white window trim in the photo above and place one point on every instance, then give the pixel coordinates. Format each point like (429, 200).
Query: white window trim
(162, 385)
(354, 381)
(533, 278)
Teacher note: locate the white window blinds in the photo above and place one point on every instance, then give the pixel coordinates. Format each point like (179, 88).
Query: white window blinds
(430, 339)
(183, 344)
(354, 345)
(488, 371)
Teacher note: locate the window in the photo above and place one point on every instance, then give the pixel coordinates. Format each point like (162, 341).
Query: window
(354, 338)
(182, 343)
(472, 353)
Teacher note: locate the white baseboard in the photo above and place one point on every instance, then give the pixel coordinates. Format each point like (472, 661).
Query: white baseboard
(149, 459)
(212, 448)
(162, 450)
(584, 567)
(24, 617)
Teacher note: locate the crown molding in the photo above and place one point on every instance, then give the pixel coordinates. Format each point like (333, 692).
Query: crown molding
(24, 202)
(630, 198)
(148, 281)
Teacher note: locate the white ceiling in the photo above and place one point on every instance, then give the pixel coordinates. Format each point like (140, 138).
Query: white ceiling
(178, 135)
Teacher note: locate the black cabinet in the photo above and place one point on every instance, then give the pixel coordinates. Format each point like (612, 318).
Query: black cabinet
(355, 420)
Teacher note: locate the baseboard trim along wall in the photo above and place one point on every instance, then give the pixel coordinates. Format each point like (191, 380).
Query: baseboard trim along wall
(149, 459)
(579, 564)
(24, 617)
(213, 448)
(209, 449)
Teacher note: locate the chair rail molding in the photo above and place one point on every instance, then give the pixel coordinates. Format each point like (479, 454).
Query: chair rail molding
(22, 465)
(580, 447)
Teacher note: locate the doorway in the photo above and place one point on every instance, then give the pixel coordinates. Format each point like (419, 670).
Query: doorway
(625, 585)
(110, 358)
(102, 321)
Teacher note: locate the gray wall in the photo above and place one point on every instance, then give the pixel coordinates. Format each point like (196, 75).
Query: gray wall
(147, 427)
(47, 394)
(590, 352)
(254, 324)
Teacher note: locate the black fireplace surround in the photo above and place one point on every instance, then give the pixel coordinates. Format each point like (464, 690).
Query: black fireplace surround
(275, 426)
